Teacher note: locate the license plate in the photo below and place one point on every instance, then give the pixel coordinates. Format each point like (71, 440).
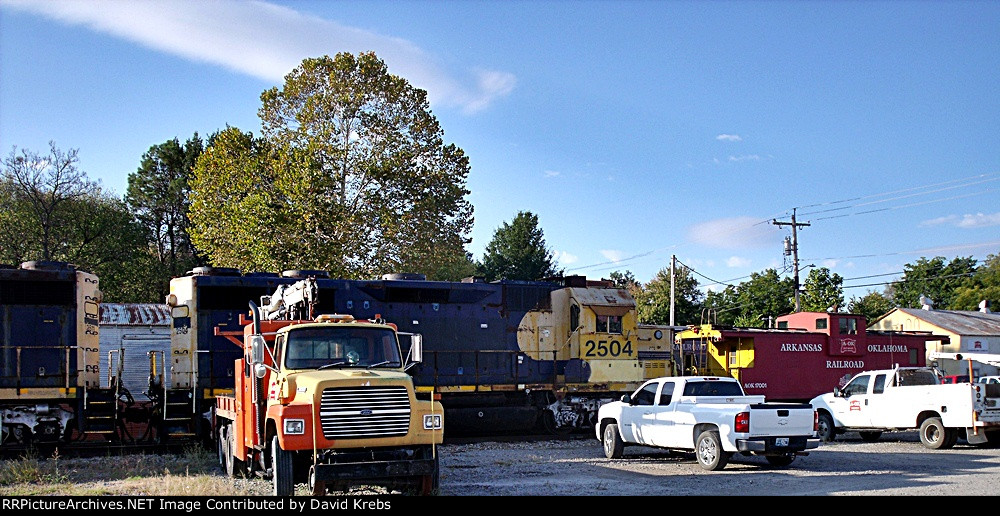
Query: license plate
(781, 441)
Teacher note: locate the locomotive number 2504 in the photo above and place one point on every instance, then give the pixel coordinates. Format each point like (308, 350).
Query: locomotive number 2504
(603, 348)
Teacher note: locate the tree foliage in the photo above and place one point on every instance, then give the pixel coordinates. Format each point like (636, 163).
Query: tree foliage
(933, 278)
(518, 252)
(158, 195)
(763, 296)
(351, 175)
(653, 300)
(54, 212)
(984, 285)
(821, 291)
(872, 305)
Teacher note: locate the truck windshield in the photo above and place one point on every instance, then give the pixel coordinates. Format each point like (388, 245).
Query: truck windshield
(313, 348)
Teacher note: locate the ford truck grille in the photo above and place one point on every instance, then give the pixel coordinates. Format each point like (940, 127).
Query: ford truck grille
(364, 412)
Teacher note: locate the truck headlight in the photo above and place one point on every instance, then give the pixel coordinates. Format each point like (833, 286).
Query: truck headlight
(295, 426)
(432, 421)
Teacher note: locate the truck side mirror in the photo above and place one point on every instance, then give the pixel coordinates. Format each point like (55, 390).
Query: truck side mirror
(259, 370)
(837, 393)
(416, 348)
(257, 350)
(626, 399)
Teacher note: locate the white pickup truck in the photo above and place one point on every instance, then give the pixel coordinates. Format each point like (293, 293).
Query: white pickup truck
(907, 398)
(710, 416)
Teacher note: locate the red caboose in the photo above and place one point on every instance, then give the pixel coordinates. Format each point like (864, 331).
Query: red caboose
(809, 353)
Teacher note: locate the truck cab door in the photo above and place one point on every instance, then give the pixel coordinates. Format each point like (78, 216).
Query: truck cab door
(661, 428)
(638, 414)
(854, 407)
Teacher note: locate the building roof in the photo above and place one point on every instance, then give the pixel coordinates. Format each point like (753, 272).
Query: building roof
(135, 314)
(959, 322)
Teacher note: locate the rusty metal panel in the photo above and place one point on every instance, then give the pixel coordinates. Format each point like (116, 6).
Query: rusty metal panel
(135, 314)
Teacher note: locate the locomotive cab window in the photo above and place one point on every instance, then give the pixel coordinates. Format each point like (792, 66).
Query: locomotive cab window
(609, 324)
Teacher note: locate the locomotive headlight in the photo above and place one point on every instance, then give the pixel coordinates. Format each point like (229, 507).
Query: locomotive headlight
(432, 421)
(295, 426)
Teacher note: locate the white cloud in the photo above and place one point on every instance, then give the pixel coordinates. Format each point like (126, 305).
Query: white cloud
(978, 220)
(612, 255)
(551, 173)
(729, 137)
(564, 258)
(737, 262)
(267, 41)
(830, 263)
(745, 157)
(734, 233)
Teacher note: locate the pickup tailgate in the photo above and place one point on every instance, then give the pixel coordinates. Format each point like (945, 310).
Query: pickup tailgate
(781, 419)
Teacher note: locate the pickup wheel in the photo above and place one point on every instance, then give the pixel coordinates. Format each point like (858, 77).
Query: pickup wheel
(709, 452)
(780, 460)
(614, 447)
(281, 469)
(935, 436)
(870, 436)
(826, 430)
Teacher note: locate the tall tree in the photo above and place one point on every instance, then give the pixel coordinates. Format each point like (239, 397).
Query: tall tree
(872, 305)
(653, 303)
(984, 285)
(158, 195)
(518, 252)
(765, 295)
(822, 290)
(933, 278)
(360, 181)
(61, 215)
(42, 190)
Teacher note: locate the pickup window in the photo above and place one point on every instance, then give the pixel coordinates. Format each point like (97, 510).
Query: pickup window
(879, 387)
(666, 393)
(712, 389)
(857, 386)
(646, 395)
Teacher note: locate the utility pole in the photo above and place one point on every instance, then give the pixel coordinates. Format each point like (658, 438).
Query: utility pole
(794, 250)
(673, 271)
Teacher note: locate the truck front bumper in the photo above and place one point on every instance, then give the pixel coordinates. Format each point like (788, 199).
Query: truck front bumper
(374, 470)
(770, 445)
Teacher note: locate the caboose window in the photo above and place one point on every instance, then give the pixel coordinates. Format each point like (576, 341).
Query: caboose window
(848, 326)
(821, 324)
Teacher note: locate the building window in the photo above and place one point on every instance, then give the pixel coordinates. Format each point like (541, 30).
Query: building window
(782, 325)
(821, 324)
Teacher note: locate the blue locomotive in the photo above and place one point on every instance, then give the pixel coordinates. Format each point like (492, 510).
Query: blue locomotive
(506, 356)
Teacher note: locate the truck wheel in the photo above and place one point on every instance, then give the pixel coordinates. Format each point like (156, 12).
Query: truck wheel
(933, 433)
(780, 460)
(708, 450)
(826, 431)
(234, 467)
(221, 445)
(870, 436)
(614, 447)
(317, 488)
(281, 470)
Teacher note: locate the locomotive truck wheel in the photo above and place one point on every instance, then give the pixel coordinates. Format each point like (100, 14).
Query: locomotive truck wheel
(708, 450)
(933, 433)
(614, 447)
(780, 460)
(826, 430)
(870, 436)
(281, 469)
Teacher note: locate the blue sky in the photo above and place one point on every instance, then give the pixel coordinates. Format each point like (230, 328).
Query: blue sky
(635, 130)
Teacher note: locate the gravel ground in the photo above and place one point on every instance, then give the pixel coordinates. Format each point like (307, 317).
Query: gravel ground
(897, 465)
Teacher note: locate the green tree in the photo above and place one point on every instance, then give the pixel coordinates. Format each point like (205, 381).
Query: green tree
(158, 194)
(872, 305)
(822, 290)
(720, 307)
(765, 295)
(984, 285)
(623, 280)
(653, 301)
(61, 215)
(360, 182)
(933, 278)
(518, 252)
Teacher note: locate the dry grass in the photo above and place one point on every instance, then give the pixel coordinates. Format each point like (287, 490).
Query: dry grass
(192, 473)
